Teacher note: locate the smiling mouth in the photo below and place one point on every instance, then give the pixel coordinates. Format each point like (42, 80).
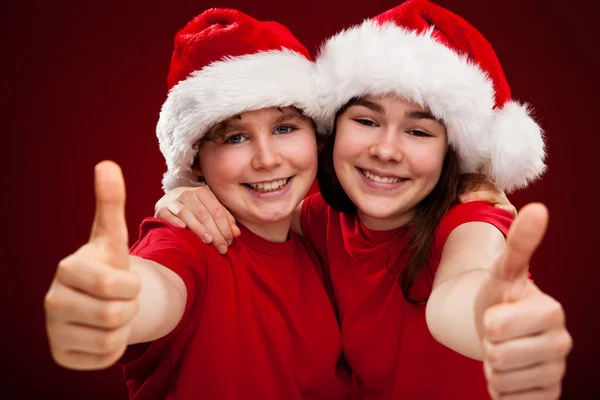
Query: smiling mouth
(271, 186)
(381, 179)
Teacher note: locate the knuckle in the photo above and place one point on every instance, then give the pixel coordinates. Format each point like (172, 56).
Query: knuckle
(497, 382)
(496, 357)
(554, 313)
(564, 343)
(110, 342)
(104, 285)
(556, 371)
(111, 315)
(219, 213)
(66, 268)
(53, 304)
(204, 217)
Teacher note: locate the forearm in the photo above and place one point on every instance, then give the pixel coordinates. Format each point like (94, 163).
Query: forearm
(161, 301)
(450, 312)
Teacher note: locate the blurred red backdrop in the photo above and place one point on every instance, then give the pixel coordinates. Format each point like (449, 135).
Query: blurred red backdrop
(86, 80)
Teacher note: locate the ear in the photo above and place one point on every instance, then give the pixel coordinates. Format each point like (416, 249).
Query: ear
(196, 168)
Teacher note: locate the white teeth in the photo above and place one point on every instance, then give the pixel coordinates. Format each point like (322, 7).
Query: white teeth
(269, 186)
(379, 179)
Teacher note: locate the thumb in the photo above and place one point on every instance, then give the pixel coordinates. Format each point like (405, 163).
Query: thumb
(109, 221)
(524, 236)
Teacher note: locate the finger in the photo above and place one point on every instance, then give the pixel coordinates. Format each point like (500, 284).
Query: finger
(507, 207)
(164, 214)
(528, 351)
(487, 196)
(233, 224)
(191, 221)
(548, 393)
(543, 375)
(83, 361)
(94, 278)
(523, 238)
(527, 317)
(200, 221)
(217, 211)
(68, 305)
(109, 221)
(73, 337)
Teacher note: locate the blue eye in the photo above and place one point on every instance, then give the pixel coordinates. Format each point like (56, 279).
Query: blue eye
(284, 129)
(235, 139)
(366, 122)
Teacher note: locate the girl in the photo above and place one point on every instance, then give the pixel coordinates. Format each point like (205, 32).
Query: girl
(414, 97)
(256, 323)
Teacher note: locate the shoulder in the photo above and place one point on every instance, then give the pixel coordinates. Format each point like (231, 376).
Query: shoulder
(159, 236)
(477, 211)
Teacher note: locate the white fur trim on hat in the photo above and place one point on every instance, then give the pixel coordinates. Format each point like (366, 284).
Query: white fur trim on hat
(222, 90)
(382, 59)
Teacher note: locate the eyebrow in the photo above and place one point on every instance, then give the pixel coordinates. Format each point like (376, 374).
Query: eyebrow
(366, 103)
(422, 115)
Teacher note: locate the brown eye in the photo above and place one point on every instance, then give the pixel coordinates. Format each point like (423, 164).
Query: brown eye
(418, 133)
(366, 122)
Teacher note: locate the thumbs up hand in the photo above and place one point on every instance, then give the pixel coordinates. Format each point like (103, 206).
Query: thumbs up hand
(94, 296)
(522, 330)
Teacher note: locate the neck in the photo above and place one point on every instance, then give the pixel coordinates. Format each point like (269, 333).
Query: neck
(387, 223)
(277, 231)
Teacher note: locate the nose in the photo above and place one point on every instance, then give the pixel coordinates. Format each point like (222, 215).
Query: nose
(387, 147)
(267, 154)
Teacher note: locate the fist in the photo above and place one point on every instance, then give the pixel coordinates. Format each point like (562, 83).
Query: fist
(524, 338)
(94, 296)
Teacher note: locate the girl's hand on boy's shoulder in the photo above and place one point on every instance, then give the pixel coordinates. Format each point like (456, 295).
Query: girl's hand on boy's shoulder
(197, 209)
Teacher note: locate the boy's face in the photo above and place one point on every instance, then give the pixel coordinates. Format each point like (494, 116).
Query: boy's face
(260, 164)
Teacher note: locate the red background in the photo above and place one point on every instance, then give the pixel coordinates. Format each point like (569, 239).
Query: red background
(85, 82)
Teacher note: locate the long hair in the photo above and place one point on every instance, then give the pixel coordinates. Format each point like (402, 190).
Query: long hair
(428, 213)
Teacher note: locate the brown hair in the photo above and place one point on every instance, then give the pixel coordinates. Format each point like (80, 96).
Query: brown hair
(428, 213)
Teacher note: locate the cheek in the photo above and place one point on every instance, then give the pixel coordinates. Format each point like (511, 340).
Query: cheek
(301, 151)
(427, 161)
(348, 144)
(222, 165)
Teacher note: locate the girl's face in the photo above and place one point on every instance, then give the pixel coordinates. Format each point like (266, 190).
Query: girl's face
(260, 164)
(388, 156)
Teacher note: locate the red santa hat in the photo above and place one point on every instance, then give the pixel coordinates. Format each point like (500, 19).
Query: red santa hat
(224, 63)
(428, 55)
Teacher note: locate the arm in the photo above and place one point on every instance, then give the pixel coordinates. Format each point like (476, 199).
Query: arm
(162, 301)
(466, 258)
(516, 329)
(101, 298)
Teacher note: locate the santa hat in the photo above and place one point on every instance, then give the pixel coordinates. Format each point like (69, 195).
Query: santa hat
(224, 63)
(433, 57)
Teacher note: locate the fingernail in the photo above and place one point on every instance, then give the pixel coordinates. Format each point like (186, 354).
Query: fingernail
(499, 206)
(464, 197)
(181, 224)
(229, 242)
(207, 238)
(222, 249)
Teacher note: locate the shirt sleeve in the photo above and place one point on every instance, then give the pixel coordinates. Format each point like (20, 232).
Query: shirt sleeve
(314, 217)
(477, 211)
(182, 252)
